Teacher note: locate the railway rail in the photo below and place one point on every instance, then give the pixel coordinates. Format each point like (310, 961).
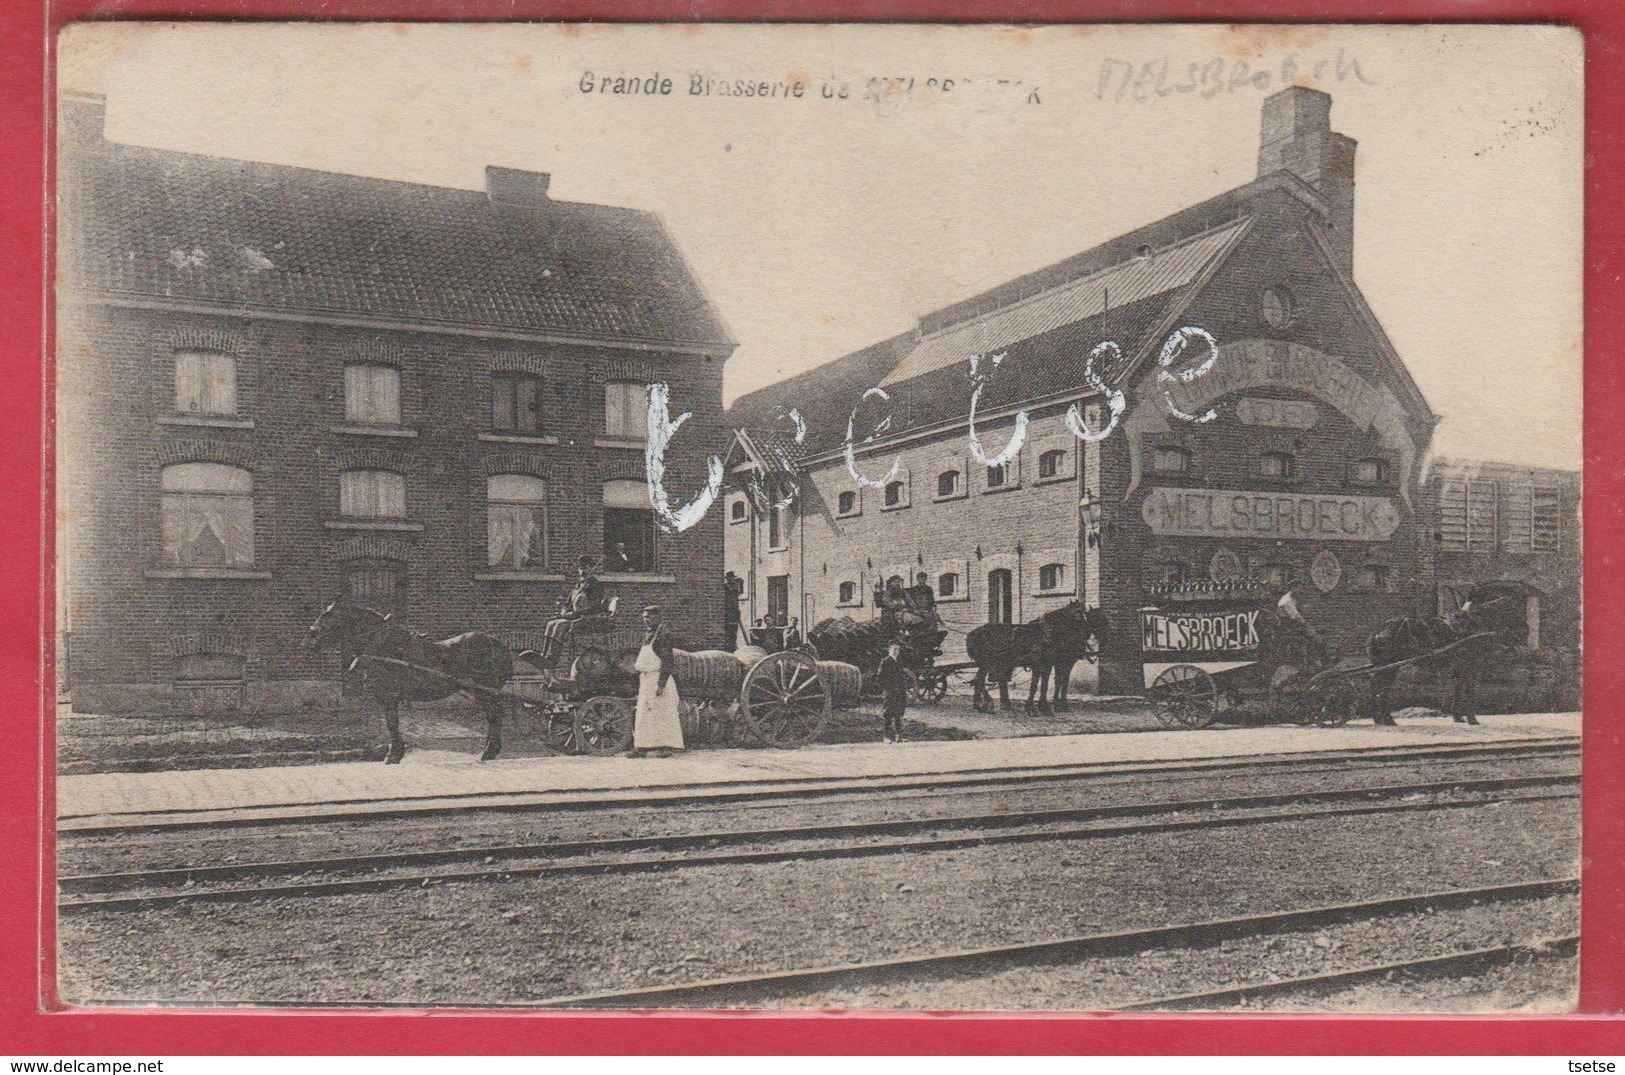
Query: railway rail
(763, 989)
(123, 890)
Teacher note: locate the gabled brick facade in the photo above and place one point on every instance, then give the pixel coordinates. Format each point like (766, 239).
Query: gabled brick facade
(147, 636)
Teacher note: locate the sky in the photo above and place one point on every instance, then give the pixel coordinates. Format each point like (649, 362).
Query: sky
(821, 223)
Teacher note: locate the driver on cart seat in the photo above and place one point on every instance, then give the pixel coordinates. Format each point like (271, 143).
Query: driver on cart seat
(586, 599)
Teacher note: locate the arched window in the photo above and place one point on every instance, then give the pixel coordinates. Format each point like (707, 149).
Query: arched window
(208, 514)
(372, 395)
(205, 383)
(1000, 596)
(997, 476)
(1166, 460)
(736, 511)
(948, 483)
(1049, 464)
(516, 521)
(629, 528)
(848, 593)
(1052, 576)
(847, 503)
(377, 584)
(1275, 465)
(895, 493)
(372, 494)
(947, 584)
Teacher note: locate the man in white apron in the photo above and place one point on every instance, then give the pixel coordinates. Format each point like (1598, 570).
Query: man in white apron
(658, 726)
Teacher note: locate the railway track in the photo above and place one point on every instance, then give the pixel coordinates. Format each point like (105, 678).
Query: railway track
(810, 788)
(763, 989)
(130, 890)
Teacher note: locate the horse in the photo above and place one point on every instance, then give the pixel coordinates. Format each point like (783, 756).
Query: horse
(1049, 646)
(1407, 638)
(384, 650)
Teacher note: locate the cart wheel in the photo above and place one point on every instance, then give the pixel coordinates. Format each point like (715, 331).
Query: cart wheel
(928, 688)
(557, 730)
(784, 702)
(1187, 695)
(1333, 701)
(604, 725)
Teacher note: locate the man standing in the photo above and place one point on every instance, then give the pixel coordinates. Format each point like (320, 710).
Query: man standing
(658, 725)
(893, 680)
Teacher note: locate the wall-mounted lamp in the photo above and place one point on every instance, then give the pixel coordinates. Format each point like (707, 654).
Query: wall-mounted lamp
(1092, 513)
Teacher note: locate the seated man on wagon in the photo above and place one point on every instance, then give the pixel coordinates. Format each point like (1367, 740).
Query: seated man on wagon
(1299, 635)
(586, 599)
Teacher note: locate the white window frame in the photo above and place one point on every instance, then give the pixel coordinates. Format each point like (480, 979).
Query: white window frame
(1068, 470)
(1067, 558)
(961, 568)
(192, 486)
(957, 465)
(905, 480)
(857, 503)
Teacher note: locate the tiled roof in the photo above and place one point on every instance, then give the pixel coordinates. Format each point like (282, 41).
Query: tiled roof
(1044, 334)
(160, 225)
(1125, 283)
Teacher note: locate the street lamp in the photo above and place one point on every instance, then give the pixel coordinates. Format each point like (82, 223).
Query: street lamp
(1090, 511)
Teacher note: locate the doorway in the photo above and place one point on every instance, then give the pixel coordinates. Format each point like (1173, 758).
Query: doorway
(1000, 596)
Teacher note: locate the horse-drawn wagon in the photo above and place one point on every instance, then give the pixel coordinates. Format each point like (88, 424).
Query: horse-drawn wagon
(780, 699)
(1230, 654)
(907, 617)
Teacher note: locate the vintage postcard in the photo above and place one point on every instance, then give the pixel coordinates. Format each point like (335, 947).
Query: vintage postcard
(859, 517)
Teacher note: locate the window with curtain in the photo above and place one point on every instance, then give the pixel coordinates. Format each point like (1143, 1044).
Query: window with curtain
(626, 410)
(516, 521)
(208, 515)
(629, 528)
(515, 402)
(372, 395)
(372, 494)
(205, 383)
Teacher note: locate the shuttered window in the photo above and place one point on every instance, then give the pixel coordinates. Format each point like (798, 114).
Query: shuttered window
(205, 383)
(1467, 515)
(1546, 509)
(372, 395)
(372, 494)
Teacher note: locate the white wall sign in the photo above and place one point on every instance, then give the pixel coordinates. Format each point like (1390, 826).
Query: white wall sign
(1239, 513)
(1277, 413)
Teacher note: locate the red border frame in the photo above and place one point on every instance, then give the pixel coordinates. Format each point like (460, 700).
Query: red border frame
(26, 613)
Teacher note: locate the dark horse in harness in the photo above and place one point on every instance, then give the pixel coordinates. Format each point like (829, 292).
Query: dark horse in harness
(399, 665)
(1411, 640)
(1049, 646)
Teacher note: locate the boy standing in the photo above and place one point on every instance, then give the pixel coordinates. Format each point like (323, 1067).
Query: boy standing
(893, 680)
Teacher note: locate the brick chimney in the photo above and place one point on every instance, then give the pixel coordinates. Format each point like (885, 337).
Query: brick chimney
(514, 186)
(1297, 137)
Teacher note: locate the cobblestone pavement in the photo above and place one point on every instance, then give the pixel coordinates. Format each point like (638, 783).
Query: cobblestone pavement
(458, 779)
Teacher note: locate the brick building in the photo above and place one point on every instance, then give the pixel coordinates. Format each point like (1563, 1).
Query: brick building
(280, 386)
(1508, 537)
(1306, 474)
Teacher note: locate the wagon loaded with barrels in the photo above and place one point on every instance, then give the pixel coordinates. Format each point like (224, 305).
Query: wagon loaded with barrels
(779, 699)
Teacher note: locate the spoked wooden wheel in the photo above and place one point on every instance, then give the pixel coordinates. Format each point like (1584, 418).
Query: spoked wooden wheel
(604, 725)
(1184, 697)
(785, 704)
(928, 688)
(1333, 701)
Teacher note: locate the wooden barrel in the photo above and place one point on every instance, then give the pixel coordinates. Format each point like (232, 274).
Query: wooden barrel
(708, 673)
(843, 681)
(749, 655)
